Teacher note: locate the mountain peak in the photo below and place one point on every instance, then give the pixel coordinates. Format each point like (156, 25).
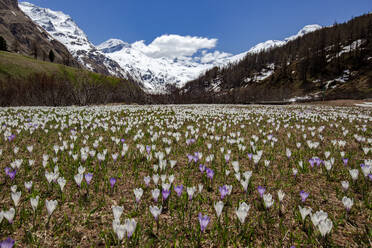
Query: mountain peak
(113, 45)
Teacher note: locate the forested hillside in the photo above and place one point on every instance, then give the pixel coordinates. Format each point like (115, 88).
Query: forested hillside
(333, 62)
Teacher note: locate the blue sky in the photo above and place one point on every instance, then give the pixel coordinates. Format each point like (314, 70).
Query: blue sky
(237, 24)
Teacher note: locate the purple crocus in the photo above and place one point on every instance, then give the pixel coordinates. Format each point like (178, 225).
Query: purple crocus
(318, 161)
(250, 156)
(179, 190)
(12, 174)
(7, 169)
(148, 149)
(204, 221)
(223, 191)
(261, 190)
(112, 181)
(227, 158)
(165, 193)
(312, 161)
(122, 140)
(202, 168)
(210, 173)
(88, 177)
(345, 160)
(11, 137)
(8, 243)
(304, 195)
(190, 157)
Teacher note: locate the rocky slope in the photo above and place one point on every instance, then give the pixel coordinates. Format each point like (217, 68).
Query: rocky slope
(62, 28)
(24, 36)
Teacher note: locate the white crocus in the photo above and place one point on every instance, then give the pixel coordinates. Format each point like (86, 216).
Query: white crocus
(51, 206)
(61, 182)
(281, 195)
(155, 194)
(138, 193)
(348, 203)
(242, 211)
(345, 185)
(325, 227)
(9, 215)
(16, 197)
(130, 226)
(78, 179)
(34, 202)
(268, 200)
(218, 206)
(304, 212)
(354, 174)
(155, 211)
(117, 212)
(190, 191)
(318, 217)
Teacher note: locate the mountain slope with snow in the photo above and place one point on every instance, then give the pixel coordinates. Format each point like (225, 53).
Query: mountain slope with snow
(155, 65)
(62, 28)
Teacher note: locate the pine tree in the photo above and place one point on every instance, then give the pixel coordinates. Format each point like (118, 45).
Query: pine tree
(51, 56)
(3, 45)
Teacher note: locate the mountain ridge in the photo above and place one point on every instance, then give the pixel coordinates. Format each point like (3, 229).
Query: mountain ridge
(119, 58)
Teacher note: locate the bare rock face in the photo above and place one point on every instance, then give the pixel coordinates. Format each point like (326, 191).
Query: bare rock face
(24, 36)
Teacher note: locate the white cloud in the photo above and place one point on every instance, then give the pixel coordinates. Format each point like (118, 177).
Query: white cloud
(172, 46)
(211, 57)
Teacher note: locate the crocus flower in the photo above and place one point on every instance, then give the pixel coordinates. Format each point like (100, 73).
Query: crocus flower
(28, 185)
(51, 206)
(155, 194)
(9, 215)
(304, 195)
(311, 161)
(345, 160)
(204, 221)
(88, 177)
(268, 200)
(345, 185)
(242, 211)
(130, 226)
(8, 243)
(12, 174)
(117, 212)
(261, 190)
(147, 180)
(304, 212)
(281, 195)
(78, 179)
(112, 181)
(210, 173)
(165, 194)
(218, 206)
(202, 168)
(179, 190)
(250, 156)
(34, 202)
(348, 203)
(138, 193)
(190, 192)
(325, 227)
(155, 211)
(223, 191)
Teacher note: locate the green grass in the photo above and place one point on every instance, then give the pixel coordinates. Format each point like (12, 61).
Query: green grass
(18, 66)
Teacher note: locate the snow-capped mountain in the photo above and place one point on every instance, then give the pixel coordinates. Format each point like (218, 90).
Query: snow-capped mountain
(156, 73)
(116, 57)
(263, 46)
(62, 28)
